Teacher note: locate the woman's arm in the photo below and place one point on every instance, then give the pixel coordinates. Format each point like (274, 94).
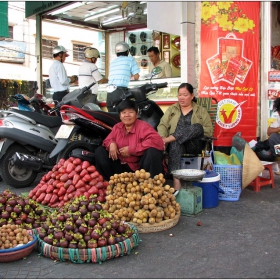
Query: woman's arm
(147, 137)
(164, 125)
(271, 130)
(207, 124)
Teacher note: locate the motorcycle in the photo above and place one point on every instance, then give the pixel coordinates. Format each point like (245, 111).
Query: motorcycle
(28, 138)
(84, 130)
(23, 102)
(37, 103)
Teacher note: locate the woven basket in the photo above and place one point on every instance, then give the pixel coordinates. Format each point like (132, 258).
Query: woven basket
(97, 255)
(163, 225)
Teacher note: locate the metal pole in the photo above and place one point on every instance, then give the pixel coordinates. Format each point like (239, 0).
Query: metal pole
(38, 45)
(264, 66)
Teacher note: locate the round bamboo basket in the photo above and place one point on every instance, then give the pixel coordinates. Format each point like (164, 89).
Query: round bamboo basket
(163, 225)
(97, 255)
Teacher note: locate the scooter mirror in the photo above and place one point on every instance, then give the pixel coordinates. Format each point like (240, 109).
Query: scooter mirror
(148, 76)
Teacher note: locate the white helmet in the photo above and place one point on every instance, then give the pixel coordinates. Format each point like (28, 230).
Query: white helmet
(92, 52)
(59, 49)
(121, 47)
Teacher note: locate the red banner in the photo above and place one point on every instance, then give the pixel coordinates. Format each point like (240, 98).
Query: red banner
(230, 50)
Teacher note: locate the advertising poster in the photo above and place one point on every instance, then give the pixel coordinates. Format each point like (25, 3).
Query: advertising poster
(230, 48)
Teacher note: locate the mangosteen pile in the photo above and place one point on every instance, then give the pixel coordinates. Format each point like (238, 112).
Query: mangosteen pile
(21, 211)
(82, 223)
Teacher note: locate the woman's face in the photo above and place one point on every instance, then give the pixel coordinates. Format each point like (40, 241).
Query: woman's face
(128, 117)
(184, 97)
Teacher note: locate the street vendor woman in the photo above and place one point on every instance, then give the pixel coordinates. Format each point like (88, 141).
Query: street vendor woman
(181, 127)
(131, 145)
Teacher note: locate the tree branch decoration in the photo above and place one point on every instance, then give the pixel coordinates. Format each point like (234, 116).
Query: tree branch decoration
(227, 15)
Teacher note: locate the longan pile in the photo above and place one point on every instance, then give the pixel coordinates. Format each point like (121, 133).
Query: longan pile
(135, 197)
(13, 235)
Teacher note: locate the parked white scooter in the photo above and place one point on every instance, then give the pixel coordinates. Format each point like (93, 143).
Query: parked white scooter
(31, 134)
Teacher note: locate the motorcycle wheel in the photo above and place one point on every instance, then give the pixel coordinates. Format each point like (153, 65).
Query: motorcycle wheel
(66, 153)
(16, 176)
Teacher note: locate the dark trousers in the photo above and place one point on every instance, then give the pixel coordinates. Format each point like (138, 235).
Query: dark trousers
(58, 95)
(113, 97)
(151, 161)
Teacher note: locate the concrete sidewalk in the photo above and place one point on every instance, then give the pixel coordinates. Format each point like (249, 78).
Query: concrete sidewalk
(236, 240)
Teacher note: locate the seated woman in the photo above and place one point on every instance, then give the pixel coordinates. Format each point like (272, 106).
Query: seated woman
(182, 127)
(131, 145)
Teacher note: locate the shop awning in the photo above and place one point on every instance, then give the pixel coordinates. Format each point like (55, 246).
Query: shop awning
(14, 71)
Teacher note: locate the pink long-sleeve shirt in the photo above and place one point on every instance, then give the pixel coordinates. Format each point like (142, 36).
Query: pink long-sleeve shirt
(140, 137)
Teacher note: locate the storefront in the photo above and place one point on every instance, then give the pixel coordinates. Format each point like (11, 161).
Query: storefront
(241, 34)
(134, 31)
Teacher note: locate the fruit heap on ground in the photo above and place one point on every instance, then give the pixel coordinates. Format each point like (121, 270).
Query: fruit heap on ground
(82, 223)
(21, 211)
(69, 178)
(12, 236)
(140, 199)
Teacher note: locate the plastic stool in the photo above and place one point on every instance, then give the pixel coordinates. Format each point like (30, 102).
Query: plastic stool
(261, 181)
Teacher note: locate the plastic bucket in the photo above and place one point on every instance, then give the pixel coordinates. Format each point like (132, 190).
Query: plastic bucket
(210, 185)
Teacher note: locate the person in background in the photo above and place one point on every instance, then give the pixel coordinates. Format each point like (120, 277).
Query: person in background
(57, 74)
(274, 128)
(181, 127)
(89, 73)
(131, 145)
(122, 69)
(153, 54)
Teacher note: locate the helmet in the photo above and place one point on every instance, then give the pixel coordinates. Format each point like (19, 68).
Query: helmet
(92, 52)
(59, 49)
(121, 47)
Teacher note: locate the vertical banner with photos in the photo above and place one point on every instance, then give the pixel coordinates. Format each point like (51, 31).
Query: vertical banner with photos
(230, 49)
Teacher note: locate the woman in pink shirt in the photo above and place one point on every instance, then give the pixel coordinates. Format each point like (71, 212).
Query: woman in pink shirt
(132, 145)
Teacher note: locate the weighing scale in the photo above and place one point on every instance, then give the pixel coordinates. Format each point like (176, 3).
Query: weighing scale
(189, 197)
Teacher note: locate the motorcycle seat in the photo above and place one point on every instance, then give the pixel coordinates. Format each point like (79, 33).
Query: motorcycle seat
(110, 118)
(49, 121)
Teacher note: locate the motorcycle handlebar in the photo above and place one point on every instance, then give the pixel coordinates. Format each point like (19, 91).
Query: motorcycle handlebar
(140, 93)
(59, 104)
(92, 84)
(162, 85)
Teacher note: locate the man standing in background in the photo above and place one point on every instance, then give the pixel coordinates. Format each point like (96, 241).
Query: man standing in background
(57, 74)
(153, 54)
(121, 70)
(89, 73)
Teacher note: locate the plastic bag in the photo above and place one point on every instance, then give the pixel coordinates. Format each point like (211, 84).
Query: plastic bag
(224, 159)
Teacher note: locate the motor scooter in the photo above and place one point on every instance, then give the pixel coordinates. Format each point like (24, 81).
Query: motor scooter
(23, 102)
(28, 138)
(84, 130)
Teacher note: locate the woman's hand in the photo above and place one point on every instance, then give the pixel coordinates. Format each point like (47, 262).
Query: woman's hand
(113, 151)
(168, 139)
(124, 151)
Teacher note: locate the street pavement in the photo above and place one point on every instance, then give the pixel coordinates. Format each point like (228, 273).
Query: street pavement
(236, 240)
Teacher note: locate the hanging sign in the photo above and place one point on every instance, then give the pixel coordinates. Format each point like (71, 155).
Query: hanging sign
(230, 66)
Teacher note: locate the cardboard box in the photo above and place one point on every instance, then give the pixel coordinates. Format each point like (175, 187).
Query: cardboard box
(190, 162)
(195, 163)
